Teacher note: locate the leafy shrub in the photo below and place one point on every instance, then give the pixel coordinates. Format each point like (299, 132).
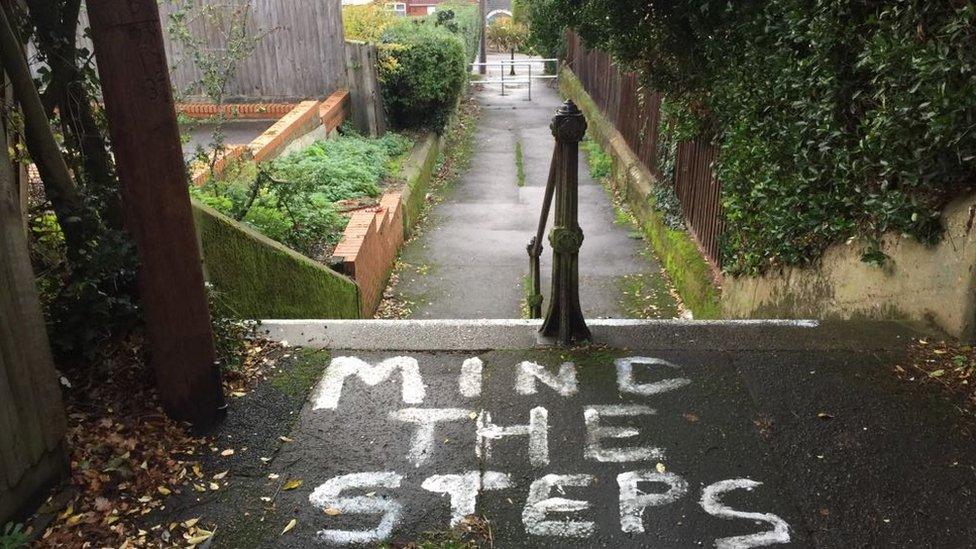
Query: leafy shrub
(461, 19)
(366, 22)
(546, 25)
(13, 536)
(422, 73)
(835, 119)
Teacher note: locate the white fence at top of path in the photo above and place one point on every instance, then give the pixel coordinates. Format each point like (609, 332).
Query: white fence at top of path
(499, 71)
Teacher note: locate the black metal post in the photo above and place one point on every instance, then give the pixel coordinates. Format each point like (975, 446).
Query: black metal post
(564, 320)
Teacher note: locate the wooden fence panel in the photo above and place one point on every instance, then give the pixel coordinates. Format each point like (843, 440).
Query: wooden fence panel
(303, 57)
(637, 116)
(364, 88)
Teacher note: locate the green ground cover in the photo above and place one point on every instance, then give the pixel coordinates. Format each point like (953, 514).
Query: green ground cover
(293, 199)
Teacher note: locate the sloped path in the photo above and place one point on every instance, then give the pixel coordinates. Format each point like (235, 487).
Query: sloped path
(471, 262)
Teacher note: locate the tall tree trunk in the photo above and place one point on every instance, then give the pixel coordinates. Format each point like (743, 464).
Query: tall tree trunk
(512, 73)
(56, 40)
(60, 189)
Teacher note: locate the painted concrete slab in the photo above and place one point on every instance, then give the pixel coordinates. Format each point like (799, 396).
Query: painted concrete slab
(631, 447)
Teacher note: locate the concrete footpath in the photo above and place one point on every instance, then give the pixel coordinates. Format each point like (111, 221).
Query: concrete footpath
(470, 261)
(675, 434)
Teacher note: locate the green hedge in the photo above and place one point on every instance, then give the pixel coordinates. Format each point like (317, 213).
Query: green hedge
(422, 74)
(836, 119)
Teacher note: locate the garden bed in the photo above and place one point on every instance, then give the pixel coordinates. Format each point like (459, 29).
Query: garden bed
(305, 198)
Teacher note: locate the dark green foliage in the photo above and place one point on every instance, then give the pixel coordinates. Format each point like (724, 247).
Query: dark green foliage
(422, 73)
(89, 301)
(835, 119)
(546, 23)
(461, 19)
(13, 536)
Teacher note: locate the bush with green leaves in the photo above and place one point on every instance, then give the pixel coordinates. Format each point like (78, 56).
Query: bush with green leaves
(422, 69)
(835, 119)
(292, 199)
(461, 19)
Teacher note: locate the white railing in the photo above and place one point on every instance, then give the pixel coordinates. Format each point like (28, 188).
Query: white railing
(503, 64)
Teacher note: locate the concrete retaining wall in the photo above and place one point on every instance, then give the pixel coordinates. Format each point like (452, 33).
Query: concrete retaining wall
(936, 284)
(257, 277)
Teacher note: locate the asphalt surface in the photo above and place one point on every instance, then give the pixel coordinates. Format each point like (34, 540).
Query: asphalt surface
(846, 455)
(470, 262)
(236, 132)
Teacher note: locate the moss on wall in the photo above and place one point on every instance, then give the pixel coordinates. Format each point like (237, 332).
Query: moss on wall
(418, 172)
(257, 277)
(677, 251)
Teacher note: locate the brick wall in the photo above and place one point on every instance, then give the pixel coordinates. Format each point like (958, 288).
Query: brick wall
(369, 247)
(250, 111)
(297, 121)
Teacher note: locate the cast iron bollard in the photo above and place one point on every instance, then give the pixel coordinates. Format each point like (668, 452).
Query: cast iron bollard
(564, 319)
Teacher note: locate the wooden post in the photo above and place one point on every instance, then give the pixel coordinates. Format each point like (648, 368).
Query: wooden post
(482, 40)
(564, 320)
(128, 41)
(32, 422)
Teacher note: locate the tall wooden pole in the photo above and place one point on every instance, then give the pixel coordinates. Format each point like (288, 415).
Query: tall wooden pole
(482, 40)
(128, 40)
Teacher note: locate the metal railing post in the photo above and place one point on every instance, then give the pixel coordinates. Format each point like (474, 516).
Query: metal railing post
(564, 322)
(530, 82)
(501, 66)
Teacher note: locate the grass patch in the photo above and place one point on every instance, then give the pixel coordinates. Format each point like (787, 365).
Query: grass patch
(298, 379)
(600, 163)
(519, 164)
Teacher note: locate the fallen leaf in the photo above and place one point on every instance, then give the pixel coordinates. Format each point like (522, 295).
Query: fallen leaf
(191, 522)
(291, 524)
(825, 415)
(285, 439)
(164, 490)
(214, 486)
(936, 373)
(332, 511)
(227, 452)
(292, 484)
(219, 476)
(660, 468)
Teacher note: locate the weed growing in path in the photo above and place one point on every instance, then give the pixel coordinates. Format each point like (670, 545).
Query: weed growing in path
(519, 164)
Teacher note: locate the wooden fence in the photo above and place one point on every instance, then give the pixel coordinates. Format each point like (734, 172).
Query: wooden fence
(32, 421)
(637, 115)
(301, 57)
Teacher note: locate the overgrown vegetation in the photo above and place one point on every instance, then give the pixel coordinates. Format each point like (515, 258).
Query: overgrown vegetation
(422, 72)
(546, 26)
(293, 198)
(85, 262)
(366, 22)
(835, 120)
